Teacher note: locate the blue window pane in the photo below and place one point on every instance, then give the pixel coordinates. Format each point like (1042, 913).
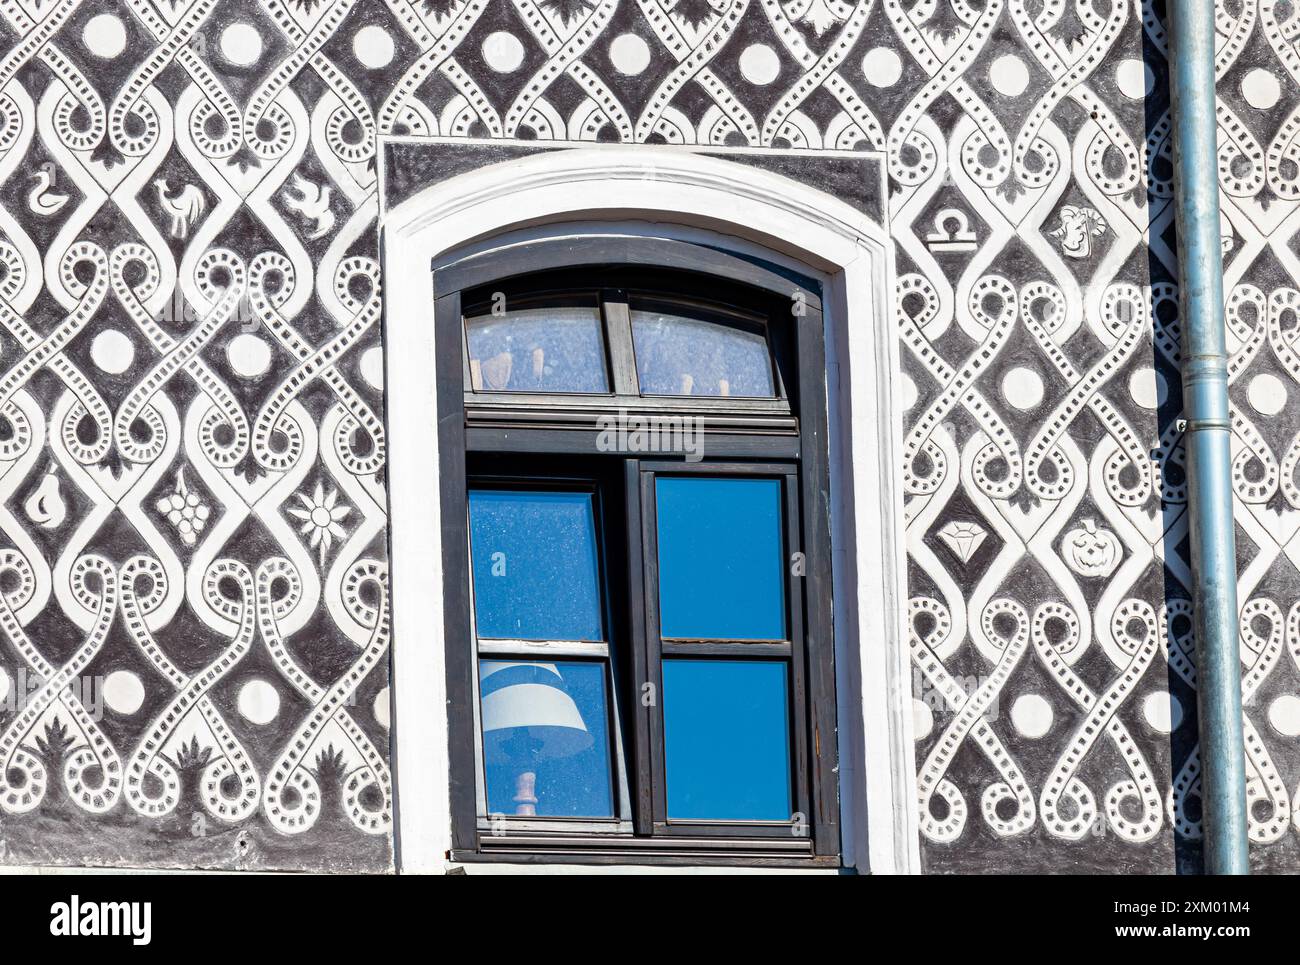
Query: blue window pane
(726, 740)
(555, 349)
(535, 567)
(545, 738)
(679, 355)
(720, 553)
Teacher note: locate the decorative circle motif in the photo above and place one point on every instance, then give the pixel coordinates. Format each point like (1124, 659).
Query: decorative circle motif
(1031, 715)
(759, 64)
(1162, 711)
(882, 67)
(124, 692)
(241, 44)
(1284, 715)
(1261, 89)
(373, 47)
(104, 36)
(503, 52)
(922, 719)
(1267, 394)
(1009, 75)
(258, 701)
(1148, 387)
(1134, 79)
(1023, 388)
(629, 54)
(907, 390)
(248, 355)
(372, 366)
(112, 351)
(381, 708)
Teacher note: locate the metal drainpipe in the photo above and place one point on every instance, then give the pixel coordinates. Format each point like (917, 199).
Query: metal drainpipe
(1208, 437)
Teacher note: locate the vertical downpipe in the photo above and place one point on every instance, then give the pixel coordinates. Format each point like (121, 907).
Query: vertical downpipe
(1208, 438)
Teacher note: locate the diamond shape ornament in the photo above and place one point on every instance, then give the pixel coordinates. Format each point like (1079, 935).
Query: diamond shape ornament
(962, 537)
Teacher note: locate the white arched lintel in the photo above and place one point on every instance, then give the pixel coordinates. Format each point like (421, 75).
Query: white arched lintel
(675, 188)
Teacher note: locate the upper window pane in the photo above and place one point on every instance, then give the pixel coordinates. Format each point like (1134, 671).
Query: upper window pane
(720, 569)
(678, 354)
(558, 348)
(534, 558)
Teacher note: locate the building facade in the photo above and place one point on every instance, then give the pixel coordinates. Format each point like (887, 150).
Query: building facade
(222, 228)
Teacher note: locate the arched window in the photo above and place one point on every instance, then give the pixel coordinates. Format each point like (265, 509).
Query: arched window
(625, 332)
(636, 555)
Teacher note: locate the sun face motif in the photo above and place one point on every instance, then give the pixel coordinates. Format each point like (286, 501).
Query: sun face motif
(321, 515)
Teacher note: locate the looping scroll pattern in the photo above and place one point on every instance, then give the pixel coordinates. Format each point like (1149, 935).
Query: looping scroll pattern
(173, 376)
(189, 310)
(1054, 473)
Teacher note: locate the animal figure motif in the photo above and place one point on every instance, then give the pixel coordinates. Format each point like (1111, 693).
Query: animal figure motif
(185, 209)
(40, 200)
(1077, 229)
(312, 201)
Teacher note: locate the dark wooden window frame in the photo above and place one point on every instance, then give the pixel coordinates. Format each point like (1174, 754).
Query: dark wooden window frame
(784, 437)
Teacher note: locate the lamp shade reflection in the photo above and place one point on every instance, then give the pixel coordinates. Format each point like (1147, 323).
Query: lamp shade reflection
(528, 717)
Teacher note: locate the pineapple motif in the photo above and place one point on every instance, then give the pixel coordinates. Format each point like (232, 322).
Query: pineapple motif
(568, 10)
(693, 12)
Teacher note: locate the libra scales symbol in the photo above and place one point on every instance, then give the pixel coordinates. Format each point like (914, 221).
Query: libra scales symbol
(951, 232)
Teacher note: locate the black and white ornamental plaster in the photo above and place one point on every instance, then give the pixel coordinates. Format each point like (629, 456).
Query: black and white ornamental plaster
(192, 488)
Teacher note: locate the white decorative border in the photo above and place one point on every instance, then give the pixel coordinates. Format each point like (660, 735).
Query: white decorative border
(675, 190)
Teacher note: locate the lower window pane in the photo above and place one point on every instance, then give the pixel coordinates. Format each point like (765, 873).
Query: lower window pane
(726, 740)
(545, 738)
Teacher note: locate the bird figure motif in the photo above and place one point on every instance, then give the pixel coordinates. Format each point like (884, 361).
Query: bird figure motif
(312, 201)
(185, 209)
(40, 200)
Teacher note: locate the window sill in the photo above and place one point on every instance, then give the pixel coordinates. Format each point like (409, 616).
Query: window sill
(469, 862)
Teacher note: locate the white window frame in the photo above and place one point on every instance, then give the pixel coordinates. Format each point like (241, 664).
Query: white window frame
(672, 192)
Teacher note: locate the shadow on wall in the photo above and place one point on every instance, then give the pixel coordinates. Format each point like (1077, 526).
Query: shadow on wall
(1177, 628)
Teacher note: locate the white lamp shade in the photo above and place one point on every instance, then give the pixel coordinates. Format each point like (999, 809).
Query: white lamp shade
(529, 697)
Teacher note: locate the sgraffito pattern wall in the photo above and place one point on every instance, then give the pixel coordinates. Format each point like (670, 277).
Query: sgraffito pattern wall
(1055, 685)
(191, 445)
(193, 619)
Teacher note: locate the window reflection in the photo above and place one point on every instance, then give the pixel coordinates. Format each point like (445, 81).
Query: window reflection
(554, 349)
(682, 355)
(545, 738)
